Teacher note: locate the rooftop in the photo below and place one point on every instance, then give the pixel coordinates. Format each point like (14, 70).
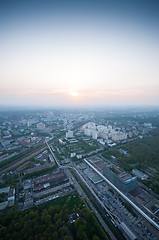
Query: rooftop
(48, 178)
(73, 217)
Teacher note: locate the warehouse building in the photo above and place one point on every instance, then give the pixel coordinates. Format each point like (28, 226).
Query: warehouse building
(122, 180)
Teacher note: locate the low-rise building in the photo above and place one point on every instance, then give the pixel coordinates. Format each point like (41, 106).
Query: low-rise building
(9, 197)
(73, 217)
(72, 154)
(139, 174)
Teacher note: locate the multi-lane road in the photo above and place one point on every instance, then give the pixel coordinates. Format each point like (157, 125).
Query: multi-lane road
(81, 193)
(125, 197)
(93, 209)
(112, 185)
(42, 148)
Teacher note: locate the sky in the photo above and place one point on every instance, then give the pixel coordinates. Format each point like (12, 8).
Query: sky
(79, 53)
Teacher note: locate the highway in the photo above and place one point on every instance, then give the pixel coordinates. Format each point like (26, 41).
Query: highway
(84, 196)
(93, 193)
(125, 197)
(35, 152)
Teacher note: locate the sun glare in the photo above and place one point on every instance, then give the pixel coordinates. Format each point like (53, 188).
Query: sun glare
(74, 93)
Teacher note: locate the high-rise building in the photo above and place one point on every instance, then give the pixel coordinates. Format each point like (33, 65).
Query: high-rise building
(69, 134)
(41, 126)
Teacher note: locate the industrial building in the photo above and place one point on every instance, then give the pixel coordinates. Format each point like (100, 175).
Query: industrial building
(53, 180)
(122, 180)
(44, 188)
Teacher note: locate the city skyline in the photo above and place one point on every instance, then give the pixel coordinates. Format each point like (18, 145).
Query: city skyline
(79, 54)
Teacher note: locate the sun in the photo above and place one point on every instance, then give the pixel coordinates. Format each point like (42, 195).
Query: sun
(74, 93)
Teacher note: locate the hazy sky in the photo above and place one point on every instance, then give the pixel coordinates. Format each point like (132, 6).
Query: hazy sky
(79, 53)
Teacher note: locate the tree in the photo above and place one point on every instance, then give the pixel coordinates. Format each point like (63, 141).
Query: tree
(58, 223)
(81, 234)
(68, 238)
(95, 237)
(63, 231)
(51, 228)
(56, 216)
(54, 236)
(3, 231)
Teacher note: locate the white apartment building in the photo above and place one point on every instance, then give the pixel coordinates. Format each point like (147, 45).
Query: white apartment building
(40, 126)
(69, 134)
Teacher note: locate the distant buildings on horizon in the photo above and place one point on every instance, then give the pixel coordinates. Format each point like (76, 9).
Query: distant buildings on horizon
(104, 132)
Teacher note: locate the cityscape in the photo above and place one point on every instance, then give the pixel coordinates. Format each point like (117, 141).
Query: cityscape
(79, 120)
(52, 154)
